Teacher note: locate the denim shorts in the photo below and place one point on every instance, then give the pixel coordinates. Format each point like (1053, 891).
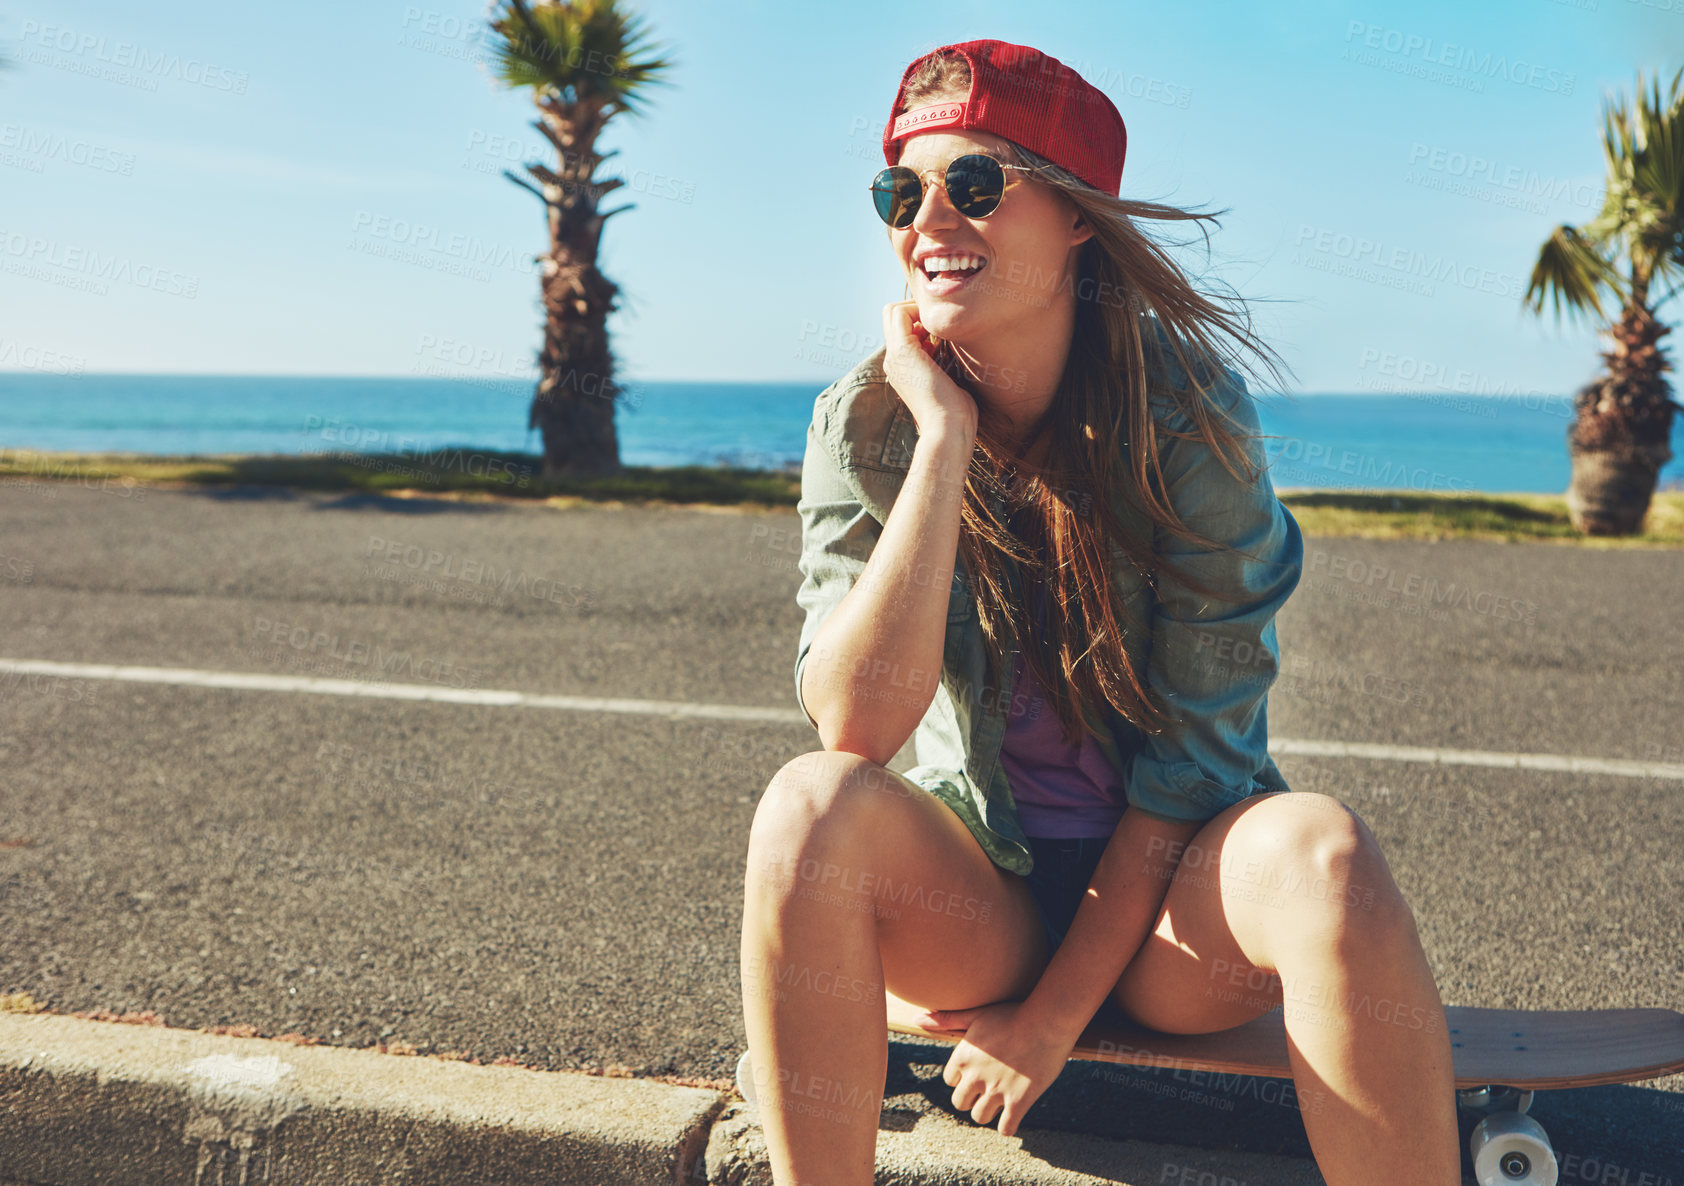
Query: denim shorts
(1063, 869)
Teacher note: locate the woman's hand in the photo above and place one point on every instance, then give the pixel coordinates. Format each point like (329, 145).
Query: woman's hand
(909, 363)
(1003, 1063)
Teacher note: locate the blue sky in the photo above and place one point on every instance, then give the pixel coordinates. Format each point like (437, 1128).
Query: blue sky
(294, 189)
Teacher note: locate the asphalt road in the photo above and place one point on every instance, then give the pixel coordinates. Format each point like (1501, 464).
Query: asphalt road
(565, 887)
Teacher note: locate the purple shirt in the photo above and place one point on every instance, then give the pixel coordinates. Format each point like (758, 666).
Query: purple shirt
(1062, 791)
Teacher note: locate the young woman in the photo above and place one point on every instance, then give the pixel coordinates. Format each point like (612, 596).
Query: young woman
(1025, 547)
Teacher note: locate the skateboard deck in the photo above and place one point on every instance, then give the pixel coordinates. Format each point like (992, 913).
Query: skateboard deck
(1519, 1048)
(1501, 1057)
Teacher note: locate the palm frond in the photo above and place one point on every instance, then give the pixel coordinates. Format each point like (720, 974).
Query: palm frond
(1643, 142)
(1658, 175)
(1573, 273)
(1658, 172)
(577, 51)
(1640, 227)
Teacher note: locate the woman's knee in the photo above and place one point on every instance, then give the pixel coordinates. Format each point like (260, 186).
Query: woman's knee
(824, 794)
(1314, 851)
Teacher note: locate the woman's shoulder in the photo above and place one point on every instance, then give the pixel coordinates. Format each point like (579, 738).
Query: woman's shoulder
(1172, 393)
(859, 405)
(866, 378)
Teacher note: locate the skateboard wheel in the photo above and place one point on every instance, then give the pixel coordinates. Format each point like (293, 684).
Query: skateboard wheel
(1512, 1149)
(745, 1077)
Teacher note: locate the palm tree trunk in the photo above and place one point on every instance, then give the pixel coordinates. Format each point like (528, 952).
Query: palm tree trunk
(573, 406)
(1611, 489)
(1622, 427)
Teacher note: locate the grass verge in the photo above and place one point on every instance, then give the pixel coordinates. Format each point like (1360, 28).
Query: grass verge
(482, 475)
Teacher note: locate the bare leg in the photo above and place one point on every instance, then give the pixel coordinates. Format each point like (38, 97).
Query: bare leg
(1286, 900)
(1366, 1036)
(819, 1059)
(837, 844)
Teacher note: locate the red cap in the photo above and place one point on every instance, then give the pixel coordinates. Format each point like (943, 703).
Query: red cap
(1030, 98)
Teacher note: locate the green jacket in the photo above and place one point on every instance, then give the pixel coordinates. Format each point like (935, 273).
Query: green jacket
(1214, 660)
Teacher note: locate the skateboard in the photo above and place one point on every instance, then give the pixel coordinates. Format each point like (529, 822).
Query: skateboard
(1501, 1057)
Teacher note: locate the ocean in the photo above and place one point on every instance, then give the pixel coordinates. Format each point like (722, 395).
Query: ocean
(1445, 442)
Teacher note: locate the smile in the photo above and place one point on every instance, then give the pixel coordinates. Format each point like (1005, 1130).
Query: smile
(946, 283)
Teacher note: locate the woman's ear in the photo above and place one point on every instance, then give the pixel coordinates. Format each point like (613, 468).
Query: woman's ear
(1080, 231)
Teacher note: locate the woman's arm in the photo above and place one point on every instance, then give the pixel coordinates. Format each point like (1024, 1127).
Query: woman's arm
(1112, 922)
(875, 663)
(1213, 661)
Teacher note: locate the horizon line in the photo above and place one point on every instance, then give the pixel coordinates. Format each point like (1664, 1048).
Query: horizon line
(802, 382)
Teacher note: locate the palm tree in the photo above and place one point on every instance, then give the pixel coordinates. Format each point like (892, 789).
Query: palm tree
(1622, 420)
(581, 61)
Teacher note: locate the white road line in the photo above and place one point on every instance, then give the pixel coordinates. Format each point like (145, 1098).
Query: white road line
(1473, 757)
(189, 677)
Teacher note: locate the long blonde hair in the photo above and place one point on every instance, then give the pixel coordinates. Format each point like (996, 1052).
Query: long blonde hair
(1101, 406)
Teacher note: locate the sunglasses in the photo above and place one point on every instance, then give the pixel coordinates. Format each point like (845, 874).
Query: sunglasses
(975, 183)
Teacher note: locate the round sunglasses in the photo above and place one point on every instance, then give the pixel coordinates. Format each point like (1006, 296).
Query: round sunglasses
(975, 183)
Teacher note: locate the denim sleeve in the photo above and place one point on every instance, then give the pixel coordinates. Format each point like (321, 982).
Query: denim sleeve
(1213, 661)
(838, 536)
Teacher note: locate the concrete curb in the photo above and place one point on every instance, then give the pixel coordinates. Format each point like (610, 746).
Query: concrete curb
(86, 1102)
(93, 1103)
